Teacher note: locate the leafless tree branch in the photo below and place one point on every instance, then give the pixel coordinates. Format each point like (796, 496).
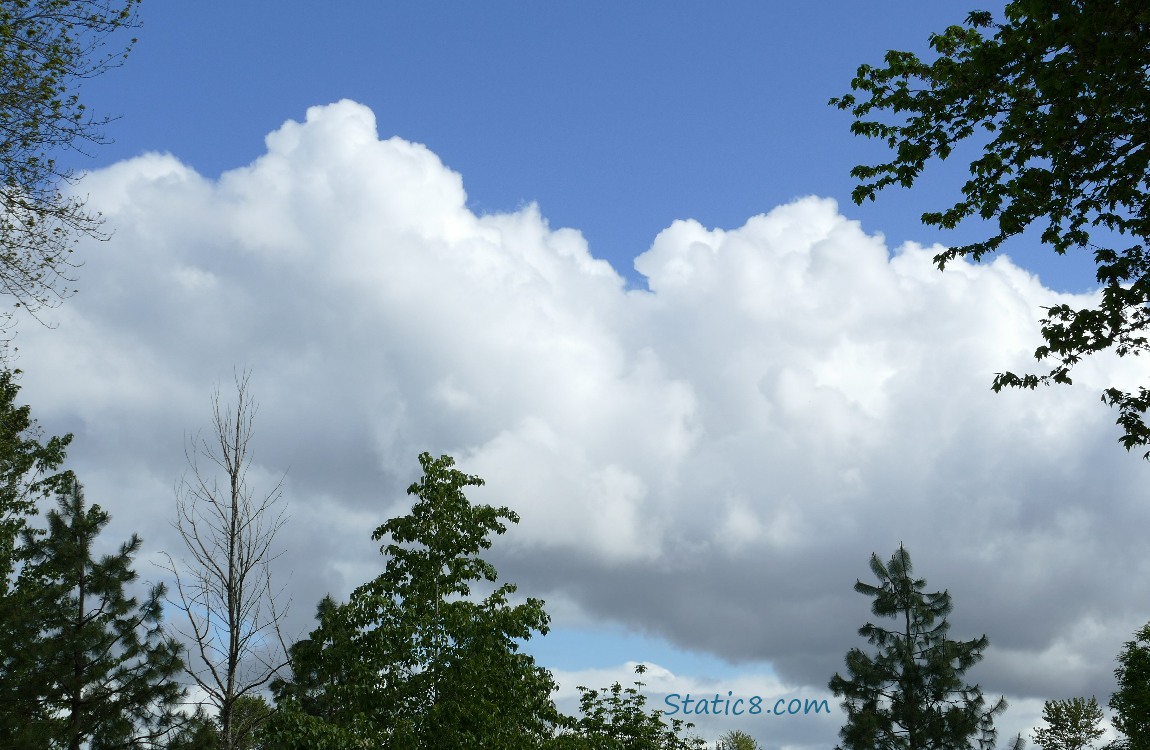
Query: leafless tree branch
(224, 585)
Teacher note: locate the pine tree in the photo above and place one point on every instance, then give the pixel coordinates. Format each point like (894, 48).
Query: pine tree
(106, 668)
(414, 659)
(28, 472)
(910, 695)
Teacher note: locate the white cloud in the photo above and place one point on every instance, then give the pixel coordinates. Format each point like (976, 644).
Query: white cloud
(711, 460)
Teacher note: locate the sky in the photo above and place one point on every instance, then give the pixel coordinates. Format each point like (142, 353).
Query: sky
(605, 256)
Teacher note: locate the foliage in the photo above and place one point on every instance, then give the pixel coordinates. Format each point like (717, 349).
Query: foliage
(1071, 724)
(250, 713)
(1056, 97)
(910, 695)
(738, 740)
(27, 469)
(47, 49)
(1131, 702)
(28, 472)
(195, 732)
(202, 732)
(616, 718)
(103, 667)
(414, 659)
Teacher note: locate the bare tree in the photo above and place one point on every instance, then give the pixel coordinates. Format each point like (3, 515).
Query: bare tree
(224, 586)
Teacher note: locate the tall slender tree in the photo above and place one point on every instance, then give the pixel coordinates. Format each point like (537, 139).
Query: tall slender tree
(910, 694)
(224, 586)
(106, 668)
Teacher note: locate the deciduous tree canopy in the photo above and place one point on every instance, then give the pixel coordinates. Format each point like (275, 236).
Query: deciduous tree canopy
(1131, 702)
(47, 49)
(1056, 97)
(1070, 724)
(415, 659)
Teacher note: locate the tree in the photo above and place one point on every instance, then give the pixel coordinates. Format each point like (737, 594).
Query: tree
(201, 732)
(616, 718)
(1056, 97)
(106, 670)
(415, 659)
(225, 587)
(1071, 724)
(738, 740)
(28, 473)
(910, 695)
(196, 732)
(1131, 702)
(47, 49)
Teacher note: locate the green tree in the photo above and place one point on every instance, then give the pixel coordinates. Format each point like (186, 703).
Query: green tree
(196, 732)
(202, 732)
(1070, 724)
(415, 659)
(910, 694)
(249, 715)
(1055, 98)
(106, 668)
(616, 718)
(47, 49)
(28, 473)
(1131, 702)
(738, 740)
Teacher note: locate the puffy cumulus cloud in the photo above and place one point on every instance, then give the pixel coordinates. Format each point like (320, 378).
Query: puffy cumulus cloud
(711, 460)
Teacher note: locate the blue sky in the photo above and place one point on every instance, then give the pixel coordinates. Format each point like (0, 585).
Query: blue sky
(616, 118)
(602, 283)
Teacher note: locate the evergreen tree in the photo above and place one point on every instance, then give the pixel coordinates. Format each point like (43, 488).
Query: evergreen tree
(414, 659)
(28, 472)
(1131, 702)
(910, 695)
(106, 670)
